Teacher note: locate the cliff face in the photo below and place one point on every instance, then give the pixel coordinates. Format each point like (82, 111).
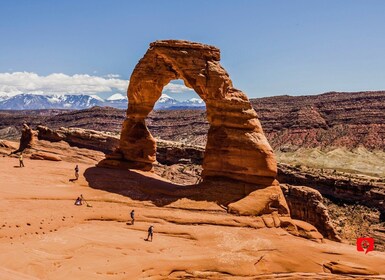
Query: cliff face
(328, 120)
(335, 119)
(306, 204)
(339, 186)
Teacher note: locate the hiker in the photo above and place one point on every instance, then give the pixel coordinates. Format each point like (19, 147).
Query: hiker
(21, 163)
(78, 201)
(150, 233)
(85, 201)
(77, 172)
(132, 214)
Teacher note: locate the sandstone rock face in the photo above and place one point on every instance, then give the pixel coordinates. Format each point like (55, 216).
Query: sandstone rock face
(169, 152)
(82, 138)
(236, 145)
(240, 198)
(7, 144)
(368, 191)
(45, 156)
(28, 138)
(306, 204)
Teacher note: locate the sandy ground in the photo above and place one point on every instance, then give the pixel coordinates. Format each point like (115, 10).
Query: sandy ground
(43, 235)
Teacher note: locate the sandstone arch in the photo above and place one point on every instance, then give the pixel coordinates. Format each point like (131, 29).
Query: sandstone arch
(236, 147)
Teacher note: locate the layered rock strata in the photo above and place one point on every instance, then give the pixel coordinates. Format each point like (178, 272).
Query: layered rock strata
(368, 191)
(306, 204)
(82, 138)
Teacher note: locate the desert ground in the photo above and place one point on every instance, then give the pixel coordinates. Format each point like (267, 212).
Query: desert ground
(43, 235)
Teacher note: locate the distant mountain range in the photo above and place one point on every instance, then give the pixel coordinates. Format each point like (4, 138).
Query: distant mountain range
(37, 101)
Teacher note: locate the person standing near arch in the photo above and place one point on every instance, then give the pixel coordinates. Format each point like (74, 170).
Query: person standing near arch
(132, 214)
(21, 162)
(77, 172)
(150, 233)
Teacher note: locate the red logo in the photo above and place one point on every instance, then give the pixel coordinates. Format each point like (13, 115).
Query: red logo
(365, 244)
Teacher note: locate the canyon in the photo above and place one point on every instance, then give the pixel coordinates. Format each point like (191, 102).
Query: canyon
(206, 179)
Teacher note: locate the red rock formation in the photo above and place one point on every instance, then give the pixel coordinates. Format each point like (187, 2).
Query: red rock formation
(349, 188)
(45, 156)
(330, 120)
(240, 198)
(82, 138)
(306, 204)
(236, 147)
(27, 139)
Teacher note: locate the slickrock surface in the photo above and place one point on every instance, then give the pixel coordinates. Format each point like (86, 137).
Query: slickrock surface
(46, 236)
(233, 195)
(304, 203)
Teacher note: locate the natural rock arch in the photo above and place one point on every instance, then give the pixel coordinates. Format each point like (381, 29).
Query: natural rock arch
(236, 145)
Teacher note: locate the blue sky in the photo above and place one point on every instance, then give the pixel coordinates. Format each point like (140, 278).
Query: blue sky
(268, 47)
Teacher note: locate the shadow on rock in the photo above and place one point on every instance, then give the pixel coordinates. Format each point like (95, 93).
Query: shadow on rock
(139, 186)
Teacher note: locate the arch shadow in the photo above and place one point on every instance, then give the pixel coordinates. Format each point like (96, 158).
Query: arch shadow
(139, 186)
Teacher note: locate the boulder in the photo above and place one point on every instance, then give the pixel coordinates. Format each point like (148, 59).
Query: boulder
(45, 156)
(307, 230)
(261, 201)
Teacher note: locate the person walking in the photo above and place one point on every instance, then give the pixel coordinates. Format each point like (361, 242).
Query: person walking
(132, 214)
(78, 201)
(77, 172)
(21, 163)
(150, 233)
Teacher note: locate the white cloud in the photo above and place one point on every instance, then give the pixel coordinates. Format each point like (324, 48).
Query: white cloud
(112, 76)
(176, 88)
(59, 83)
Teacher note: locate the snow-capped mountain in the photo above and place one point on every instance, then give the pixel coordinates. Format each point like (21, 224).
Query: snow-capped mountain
(117, 100)
(116, 97)
(4, 96)
(166, 102)
(36, 101)
(196, 101)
